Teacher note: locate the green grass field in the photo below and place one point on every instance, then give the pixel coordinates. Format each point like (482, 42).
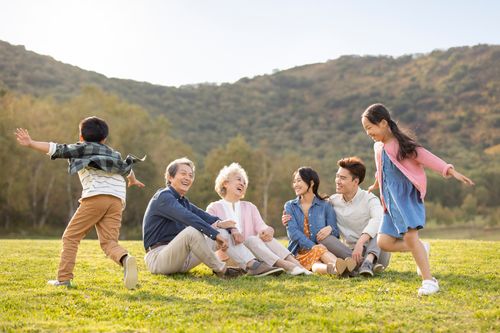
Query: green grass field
(469, 274)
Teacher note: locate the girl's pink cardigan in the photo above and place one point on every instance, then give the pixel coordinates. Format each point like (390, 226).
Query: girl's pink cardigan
(412, 168)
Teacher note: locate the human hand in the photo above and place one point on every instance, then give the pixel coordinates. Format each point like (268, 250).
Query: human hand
(372, 188)
(237, 237)
(23, 137)
(136, 182)
(357, 253)
(226, 224)
(221, 242)
(324, 232)
(459, 177)
(267, 234)
(285, 218)
(132, 181)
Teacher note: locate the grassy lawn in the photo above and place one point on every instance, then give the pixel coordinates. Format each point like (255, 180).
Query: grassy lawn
(469, 274)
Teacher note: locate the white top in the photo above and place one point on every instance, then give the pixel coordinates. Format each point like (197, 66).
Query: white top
(233, 213)
(98, 182)
(362, 215)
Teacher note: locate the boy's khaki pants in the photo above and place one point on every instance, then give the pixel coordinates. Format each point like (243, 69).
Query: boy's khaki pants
(105, 213)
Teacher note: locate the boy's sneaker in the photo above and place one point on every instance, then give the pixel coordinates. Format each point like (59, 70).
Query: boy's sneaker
(57, 283)
(427, 248)
(259, 269)
(429, 287)
(230, 273)
(366, 269)
(378, 268)
(130, 275)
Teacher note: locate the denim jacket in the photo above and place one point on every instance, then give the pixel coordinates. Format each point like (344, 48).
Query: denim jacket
(321, 214)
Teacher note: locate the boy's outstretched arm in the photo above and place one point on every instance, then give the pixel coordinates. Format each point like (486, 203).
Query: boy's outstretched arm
(133, 181)
(24, 139)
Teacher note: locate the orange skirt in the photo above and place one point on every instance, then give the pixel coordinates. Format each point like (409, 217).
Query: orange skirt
(308, 257)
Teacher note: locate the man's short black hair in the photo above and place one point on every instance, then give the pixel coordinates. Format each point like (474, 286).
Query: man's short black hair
(93, 129)
(355, 166)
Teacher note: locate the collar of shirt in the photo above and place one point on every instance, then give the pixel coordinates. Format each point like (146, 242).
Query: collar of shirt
(182, 199)
(315, 201)
(350, 202)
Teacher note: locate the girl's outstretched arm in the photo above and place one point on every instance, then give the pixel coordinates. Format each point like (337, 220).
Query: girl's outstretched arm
(459, 176)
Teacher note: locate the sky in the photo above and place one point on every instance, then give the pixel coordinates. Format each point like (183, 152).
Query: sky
(183, 42)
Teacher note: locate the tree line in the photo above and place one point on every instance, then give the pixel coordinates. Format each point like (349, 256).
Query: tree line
(37, 195)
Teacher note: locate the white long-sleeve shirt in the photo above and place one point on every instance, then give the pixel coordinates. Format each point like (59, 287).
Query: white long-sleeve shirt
(98, 182)
(362, 215)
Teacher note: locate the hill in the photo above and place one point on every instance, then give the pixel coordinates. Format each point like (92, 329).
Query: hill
(448, 98)
(271, 124)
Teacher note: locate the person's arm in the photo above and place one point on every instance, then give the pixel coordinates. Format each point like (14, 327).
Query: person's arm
(376, 215)
(373, 187)
(331, 220)
(357, 252)
(294, 231)
(171, 209)
(458, 176)
(24, 139)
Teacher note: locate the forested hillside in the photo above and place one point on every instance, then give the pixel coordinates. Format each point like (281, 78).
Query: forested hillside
(270, 124)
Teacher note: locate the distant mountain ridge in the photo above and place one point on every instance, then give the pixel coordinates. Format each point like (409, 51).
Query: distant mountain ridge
(450, 99)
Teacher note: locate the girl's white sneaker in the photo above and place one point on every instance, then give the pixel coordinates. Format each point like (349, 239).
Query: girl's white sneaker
(429, 287)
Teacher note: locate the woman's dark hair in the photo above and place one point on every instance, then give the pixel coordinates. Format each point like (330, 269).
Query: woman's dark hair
(308, 174)
(93, 129)
(407, 145)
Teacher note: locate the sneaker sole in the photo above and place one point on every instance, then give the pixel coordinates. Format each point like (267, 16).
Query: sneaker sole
(131, 276)
(366, 273)
(274, 271)
(351, 264)
(378, 268)
(338, 268)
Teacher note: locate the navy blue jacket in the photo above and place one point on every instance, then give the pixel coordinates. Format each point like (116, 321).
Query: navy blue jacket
(168, 214)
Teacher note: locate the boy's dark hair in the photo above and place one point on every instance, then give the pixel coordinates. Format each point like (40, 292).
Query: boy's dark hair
(93, 129)
(355, 166)
(407, 145)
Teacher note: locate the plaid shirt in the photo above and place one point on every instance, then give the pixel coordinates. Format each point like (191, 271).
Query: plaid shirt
(94, 155)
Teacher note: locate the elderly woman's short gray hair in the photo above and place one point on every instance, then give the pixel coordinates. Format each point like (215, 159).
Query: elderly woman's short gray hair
(172, 168)
(225, 173)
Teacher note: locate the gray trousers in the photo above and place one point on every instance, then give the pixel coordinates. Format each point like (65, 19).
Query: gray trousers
(340, 250)
(190, 248)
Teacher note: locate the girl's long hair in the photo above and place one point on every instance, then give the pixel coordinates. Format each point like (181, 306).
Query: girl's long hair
(407, 145)
(308, 174)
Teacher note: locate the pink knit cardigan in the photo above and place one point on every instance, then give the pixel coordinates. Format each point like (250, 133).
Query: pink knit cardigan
(412, 168)
(251, 220)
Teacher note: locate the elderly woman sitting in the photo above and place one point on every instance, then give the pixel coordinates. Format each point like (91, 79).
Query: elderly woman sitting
(231, 185)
